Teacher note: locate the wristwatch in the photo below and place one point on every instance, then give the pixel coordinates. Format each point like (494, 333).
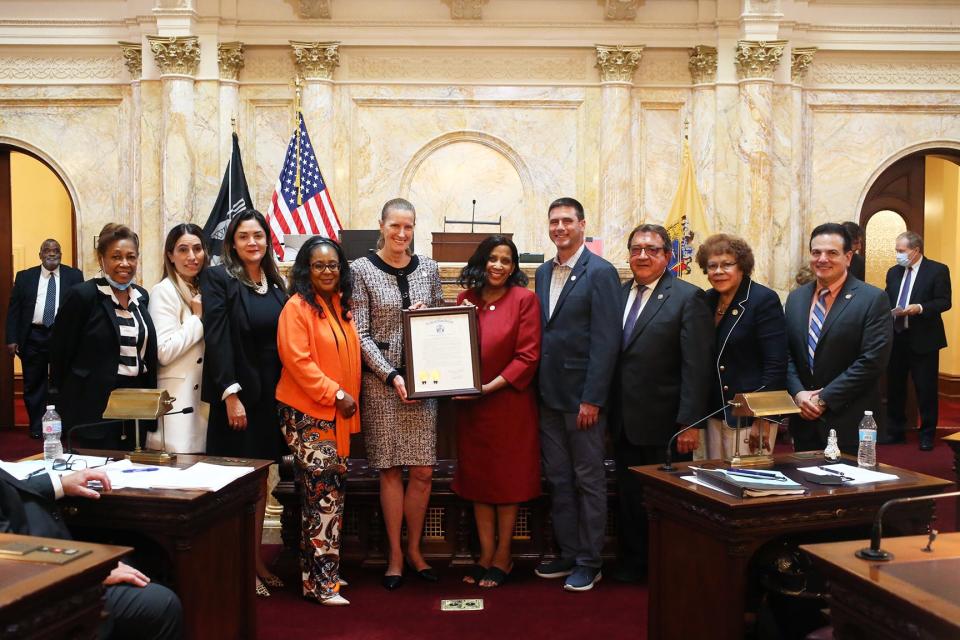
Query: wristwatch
(341, 394)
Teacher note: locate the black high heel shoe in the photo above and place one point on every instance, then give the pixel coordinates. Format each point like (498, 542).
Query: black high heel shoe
(427, 574)
(391, 583)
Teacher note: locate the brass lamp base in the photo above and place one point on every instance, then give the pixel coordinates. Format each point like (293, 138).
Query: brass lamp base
(754, 460)
(152, 457)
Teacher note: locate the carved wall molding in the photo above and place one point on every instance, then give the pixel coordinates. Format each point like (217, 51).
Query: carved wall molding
(176, 55)
(230, 59)
(801, 59)
(758, 58)
(314, 9)
(268, 64)
(316, 60)
(617, 63)
(621, 9)
(106, 67)
(480, 67)
(466, 9)
(132, 57)
(662, 67)
(703, 64)
(886, 73)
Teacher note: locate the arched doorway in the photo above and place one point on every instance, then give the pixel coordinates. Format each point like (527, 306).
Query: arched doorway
(35, 204)
(919, 192)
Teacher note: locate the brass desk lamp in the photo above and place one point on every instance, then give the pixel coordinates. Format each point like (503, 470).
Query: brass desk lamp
(758, 405)
(142, 404)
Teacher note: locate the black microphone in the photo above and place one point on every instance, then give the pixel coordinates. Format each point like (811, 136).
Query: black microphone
(874, 552)
(668, 466)
(185, 410)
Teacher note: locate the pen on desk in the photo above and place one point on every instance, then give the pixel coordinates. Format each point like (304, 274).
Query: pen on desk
(143, 469)
(749, 473)
(834, 472)
(36, 473)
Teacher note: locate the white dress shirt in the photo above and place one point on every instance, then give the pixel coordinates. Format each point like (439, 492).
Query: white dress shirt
(42, 294)
(633, 296)
(913, 280)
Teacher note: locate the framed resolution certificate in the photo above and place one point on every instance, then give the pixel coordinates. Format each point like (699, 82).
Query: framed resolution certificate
(442, 353)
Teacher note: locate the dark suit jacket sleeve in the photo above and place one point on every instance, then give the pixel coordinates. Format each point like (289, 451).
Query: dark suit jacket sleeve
(772, 338)
(13, 311)
(876, 342)
(216, 331)
(67, 333)
(38, 484)
(696, 358)
(794, 385)
(940, 301)
(605, 330)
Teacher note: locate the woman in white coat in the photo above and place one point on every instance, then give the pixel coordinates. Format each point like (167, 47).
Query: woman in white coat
(175, 306)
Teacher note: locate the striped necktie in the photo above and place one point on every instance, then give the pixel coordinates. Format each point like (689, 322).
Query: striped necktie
(816, 325)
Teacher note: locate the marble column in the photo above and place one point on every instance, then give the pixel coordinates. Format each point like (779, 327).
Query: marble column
(756, 62)
(177, 58)
(230, 62)
(316, 63)
(703, 109)
(617, 192)
(129, 197)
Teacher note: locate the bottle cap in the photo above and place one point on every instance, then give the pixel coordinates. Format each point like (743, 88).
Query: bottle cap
(868, 413)
(833, 433)
(50, 407)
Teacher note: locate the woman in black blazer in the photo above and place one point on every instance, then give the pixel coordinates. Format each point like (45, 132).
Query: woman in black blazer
(751, 342)
(242, 300)
(103, 340)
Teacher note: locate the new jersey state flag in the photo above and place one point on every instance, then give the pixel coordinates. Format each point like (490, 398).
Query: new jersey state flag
(687, 224)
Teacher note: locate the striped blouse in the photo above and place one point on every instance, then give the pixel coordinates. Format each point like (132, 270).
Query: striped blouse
(133, 333)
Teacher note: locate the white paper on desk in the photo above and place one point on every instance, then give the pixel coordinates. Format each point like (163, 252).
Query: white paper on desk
(696, 480)
(139, 479)
(21, 470)
(202, 476)
(858, 474)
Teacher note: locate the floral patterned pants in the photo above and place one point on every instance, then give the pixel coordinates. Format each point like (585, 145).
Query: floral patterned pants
(322, 474)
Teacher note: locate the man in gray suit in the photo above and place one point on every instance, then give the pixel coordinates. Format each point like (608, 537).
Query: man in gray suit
(579, 297)
(839, 336)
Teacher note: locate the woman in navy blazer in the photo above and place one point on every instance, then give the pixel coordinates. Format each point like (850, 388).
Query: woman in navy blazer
(751, 340)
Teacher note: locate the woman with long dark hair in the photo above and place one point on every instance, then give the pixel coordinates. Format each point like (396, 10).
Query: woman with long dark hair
(498, 444)
(317, 403)
(176, 308)
(242, 300)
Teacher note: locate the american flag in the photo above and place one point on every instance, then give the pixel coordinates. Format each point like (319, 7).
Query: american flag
(301, 201)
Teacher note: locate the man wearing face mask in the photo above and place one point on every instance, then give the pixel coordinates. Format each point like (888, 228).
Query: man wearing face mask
(34, 303)
(919, 292)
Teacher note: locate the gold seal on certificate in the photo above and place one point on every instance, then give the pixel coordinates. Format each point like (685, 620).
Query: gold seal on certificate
(442, 353)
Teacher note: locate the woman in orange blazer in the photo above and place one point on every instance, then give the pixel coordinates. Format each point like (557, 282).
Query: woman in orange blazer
(317, 401)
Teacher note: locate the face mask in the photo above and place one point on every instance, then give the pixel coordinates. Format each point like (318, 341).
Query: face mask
(903, 259)
(116, 285)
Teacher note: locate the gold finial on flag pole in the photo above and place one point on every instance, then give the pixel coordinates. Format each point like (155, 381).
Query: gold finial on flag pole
(297, 116)
(233, 123)
(686, 129)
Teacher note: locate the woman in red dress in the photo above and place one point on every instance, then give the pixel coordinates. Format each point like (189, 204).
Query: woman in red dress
(498, 445)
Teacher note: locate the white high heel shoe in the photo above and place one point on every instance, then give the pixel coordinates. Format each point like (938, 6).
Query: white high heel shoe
(336, 601)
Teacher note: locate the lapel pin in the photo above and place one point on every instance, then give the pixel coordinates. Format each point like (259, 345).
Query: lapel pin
(660, 297)
(848, 296)
(734, 312)
(573, 277)
(493, 307)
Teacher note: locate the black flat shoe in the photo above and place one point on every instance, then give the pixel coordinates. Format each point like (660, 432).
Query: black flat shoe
(427, 574)
(392, 582)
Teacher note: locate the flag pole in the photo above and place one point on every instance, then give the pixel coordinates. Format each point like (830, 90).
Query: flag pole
(296, 107)
(233, 127)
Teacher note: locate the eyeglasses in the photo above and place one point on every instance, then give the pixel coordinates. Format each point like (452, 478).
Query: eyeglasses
(66, 464)
(652, 252)
(722, 266)
(320, 267)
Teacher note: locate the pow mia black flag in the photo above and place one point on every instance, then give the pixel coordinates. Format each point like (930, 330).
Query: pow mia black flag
(233, 198)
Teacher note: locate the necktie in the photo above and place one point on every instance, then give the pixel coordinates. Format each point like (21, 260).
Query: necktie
(632, 317)
(50, 304)
(900, 322)
(816, 325)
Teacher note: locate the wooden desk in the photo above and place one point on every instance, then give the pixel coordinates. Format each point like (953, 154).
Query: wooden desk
(50, 600)
(915, 595)
(702, 541)
(208, 537)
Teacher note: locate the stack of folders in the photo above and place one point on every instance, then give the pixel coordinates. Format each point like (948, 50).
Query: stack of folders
(749, 483)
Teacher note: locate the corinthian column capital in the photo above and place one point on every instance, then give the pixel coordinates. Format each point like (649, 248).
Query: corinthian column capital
(802, 58)
(703, 64)
(177, 55)
(617, 63)
(230, 59)
(316, 60)
(758, 59)
(133, 58)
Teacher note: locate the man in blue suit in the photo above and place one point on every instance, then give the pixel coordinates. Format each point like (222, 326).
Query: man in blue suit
(34, 303)
(579, 296)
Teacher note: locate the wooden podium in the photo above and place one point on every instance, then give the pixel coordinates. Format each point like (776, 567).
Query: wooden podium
(458, 247)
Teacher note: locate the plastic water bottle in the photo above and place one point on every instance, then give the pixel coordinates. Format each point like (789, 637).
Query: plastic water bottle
(867, 453)
(52, 427)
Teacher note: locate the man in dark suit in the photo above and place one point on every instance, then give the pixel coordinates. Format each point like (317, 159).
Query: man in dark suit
(579, 295)
(919, 292)
(135, 606)
(858, 264)
(839, 335)
(662, 380)
(34, 302)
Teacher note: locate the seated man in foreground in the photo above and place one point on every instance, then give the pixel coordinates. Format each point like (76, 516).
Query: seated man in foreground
(135, 607)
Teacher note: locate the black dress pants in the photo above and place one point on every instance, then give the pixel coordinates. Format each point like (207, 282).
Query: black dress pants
(35, 360)
(152, 612)
(924, 370)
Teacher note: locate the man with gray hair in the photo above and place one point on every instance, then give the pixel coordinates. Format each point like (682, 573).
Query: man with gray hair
(919, 292)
